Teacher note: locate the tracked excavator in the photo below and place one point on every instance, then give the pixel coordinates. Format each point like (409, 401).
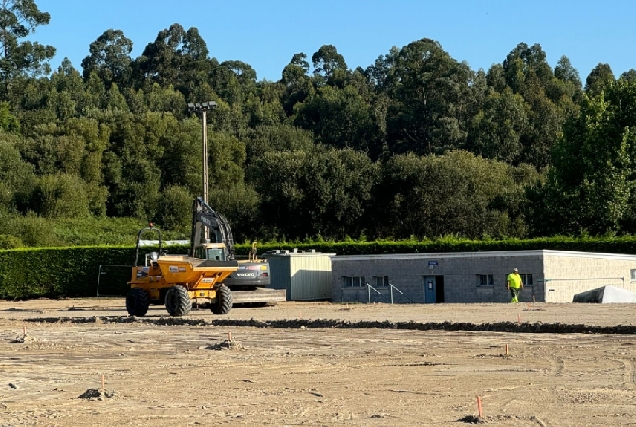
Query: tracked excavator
(204, 276)
(249, 282)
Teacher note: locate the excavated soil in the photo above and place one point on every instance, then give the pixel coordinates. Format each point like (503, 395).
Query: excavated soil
(318, 365)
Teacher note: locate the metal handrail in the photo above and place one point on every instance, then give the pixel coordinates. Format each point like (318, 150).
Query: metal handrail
(393, 287)
(369, 287)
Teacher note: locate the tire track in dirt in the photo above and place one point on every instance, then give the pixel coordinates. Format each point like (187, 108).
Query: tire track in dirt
(629, 380)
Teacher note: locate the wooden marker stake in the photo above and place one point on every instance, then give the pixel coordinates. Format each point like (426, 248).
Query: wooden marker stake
(506, 349)
(24, 330)
(229, 336)
(479, 408)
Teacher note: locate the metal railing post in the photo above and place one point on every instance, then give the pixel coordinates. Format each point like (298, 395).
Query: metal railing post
(369, 287)
(402, 293)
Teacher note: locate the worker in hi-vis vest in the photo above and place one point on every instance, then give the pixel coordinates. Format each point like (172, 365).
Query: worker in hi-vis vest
(515, 285)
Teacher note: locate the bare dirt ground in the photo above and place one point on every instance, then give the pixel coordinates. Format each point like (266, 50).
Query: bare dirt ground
(160, 372)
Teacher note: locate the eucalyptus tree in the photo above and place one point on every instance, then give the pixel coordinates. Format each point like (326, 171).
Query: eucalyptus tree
(110, 58)
(598, 80)
(177, 57)
(428, 95)
(18, 21)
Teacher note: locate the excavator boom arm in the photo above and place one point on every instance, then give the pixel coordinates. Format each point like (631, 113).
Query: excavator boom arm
(218, 229)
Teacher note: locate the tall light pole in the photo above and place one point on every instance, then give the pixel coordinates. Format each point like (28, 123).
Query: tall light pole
(203, 108)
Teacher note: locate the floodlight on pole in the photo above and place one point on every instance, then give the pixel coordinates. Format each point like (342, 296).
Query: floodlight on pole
(203, 108)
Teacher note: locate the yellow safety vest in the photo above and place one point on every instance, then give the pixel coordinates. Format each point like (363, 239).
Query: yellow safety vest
(514, 280)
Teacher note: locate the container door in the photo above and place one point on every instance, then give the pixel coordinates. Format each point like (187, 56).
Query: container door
(430, 290)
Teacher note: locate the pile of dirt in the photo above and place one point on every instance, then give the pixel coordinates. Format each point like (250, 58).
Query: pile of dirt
(471, 419)
(496, 419)
(94, 394)
(226, 345)
(21, 339)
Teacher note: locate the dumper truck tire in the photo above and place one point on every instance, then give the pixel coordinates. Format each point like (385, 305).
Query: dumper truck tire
(178, 302)
(137, 302)
(224, 302)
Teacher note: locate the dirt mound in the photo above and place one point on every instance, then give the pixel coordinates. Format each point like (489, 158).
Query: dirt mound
(20, 339)
(471, 419)
(226, 345)
(95, 394)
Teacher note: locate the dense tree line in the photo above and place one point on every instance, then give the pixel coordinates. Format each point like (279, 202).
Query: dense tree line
(416, 144)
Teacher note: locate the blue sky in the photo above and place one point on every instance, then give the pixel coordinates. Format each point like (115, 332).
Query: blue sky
(266, 34)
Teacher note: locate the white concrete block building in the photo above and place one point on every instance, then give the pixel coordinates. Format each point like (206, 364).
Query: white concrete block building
(549, 276)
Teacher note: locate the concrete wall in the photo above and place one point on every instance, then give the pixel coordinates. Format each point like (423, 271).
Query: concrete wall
(406, 272)
(568, 274)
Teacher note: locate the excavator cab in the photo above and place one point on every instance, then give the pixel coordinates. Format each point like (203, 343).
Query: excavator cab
(211, 251)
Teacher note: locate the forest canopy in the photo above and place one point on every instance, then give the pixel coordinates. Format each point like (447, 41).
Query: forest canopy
(417, 144)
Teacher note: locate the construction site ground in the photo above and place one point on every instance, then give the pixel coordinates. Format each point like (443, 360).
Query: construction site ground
(318, 364)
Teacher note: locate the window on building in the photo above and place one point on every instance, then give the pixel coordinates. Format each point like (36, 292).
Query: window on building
(485, 280)
(353, 281)
(632, 274)
(526, 279)
(379, 281)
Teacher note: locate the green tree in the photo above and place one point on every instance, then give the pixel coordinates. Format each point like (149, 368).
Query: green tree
(496, 130)
(298, 85)
(263, 139)
(109, 58)
(336, 186)
(176, 209)
(17, 177)
(598, 80)
(427, 111)
(629, 75)
(566, 72)
(341, 118)
(456, 193)
(18, 20)
(329, 66)
(590, 188)
(61, 196)
(278, 174)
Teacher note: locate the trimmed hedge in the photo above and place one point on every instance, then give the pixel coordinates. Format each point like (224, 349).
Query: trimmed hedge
(57, 272)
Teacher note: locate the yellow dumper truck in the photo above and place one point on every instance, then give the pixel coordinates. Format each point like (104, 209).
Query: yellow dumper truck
(178, 280)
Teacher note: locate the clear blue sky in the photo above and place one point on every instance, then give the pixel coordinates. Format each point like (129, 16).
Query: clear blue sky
(265, 34)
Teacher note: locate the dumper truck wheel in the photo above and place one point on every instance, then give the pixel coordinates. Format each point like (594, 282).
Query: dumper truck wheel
(178, 302)
(223, 303)
(137, 302)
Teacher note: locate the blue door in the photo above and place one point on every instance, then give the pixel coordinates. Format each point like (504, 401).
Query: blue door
(430, 286)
